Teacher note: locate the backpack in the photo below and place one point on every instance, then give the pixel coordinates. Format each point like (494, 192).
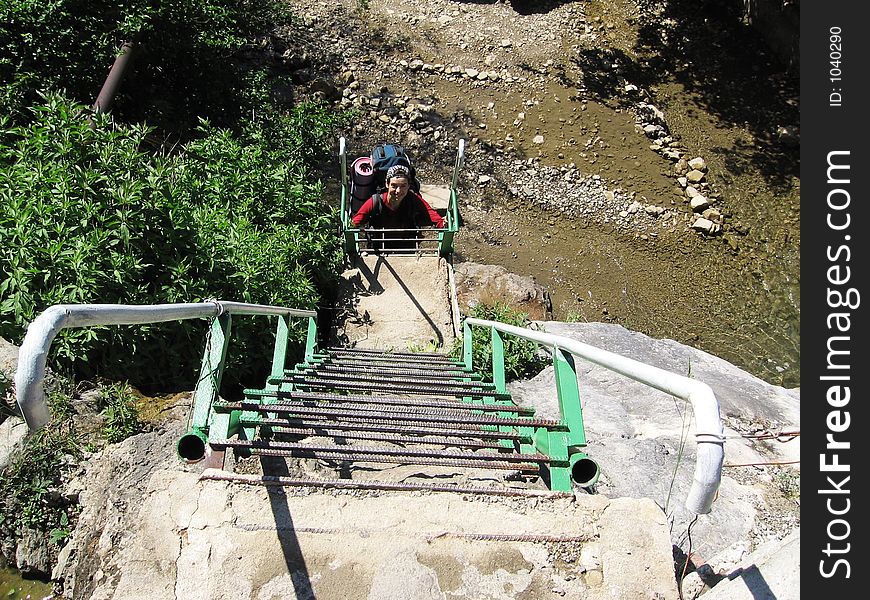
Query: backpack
(369, 173)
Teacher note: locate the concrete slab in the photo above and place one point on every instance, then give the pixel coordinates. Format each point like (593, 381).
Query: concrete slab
(217, 540)
(395, 303)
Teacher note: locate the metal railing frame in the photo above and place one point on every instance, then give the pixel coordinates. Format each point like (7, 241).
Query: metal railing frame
(709, 432)
(33, 354)
(354, 236)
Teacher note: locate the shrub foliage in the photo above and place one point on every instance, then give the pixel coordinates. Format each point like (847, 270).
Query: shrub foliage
(93, 210)
(521, 357)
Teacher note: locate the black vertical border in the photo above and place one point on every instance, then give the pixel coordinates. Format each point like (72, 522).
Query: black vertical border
(825, 128)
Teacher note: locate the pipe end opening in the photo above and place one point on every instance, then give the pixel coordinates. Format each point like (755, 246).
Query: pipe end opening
(585, 472)
(191, 447)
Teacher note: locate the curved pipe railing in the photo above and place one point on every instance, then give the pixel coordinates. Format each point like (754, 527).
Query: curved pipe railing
(32, 355)
(709, 433)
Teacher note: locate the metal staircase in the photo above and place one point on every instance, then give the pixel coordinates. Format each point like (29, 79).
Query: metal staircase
(360, 410)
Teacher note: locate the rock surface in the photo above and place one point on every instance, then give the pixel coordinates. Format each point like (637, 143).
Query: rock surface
(395, 302)
(642, 438)
(150, 528)
(215, 540)
(487, 284)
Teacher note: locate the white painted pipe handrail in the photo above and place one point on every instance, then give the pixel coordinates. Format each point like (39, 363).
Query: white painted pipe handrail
(709, 433)
(32, 355)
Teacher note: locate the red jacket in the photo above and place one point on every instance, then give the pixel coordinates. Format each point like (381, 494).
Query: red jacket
(412, 213)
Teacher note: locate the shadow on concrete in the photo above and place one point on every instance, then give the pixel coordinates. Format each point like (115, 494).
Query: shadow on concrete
(293, 557)
(755, 582)
(412, 298)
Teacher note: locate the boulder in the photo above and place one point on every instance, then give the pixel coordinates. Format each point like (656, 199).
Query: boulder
(8, 358)
(477, 283)
(12, 433)
(31, 555)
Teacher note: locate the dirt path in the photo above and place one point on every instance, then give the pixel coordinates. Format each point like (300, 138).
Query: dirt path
(561, 181)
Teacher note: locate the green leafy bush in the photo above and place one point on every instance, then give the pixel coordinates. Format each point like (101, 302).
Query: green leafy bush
(521, 357)
(30, 483)
(86, 216)
(120, 413)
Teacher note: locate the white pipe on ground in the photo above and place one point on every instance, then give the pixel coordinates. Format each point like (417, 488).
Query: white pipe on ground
(709, 433)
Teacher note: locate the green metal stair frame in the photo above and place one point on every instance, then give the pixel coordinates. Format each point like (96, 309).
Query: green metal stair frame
(205, 423)
(564, 444)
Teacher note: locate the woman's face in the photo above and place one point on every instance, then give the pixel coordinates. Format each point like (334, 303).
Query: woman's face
(397, 189)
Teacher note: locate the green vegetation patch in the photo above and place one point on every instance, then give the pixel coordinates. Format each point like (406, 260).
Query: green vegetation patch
(522, 358)
(87, 216)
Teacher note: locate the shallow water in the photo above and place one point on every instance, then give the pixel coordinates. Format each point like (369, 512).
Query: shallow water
(14, 587)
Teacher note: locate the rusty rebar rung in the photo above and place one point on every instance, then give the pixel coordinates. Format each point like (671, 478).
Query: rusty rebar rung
(374, 407)
(341, 377)
(386, 387)
(388, 359)
(374, 425)
(350, 454)
(509, 457)
(371, 354)
(369, 369)
(360, 413)
(357, 362)
(413, 402)
(376, 352)
(278, 428)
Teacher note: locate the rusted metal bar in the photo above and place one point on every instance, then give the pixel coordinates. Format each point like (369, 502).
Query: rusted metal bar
(460, 431)
(473, 457)
(279, 480)
(396, 400)
(359, 454)
(395, 438)
(399, 416)
(374, 407)
(436, 366)
(388, 387)
(339, 377)
(381, 370)
(511, 537)
(388, 354)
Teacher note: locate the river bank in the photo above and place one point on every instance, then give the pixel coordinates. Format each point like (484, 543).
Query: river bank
(581, 121)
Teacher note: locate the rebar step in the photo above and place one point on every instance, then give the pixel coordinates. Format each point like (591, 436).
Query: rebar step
(309, 398)
(351, 409)
(338, 351)
(396, 455)
(398, 371)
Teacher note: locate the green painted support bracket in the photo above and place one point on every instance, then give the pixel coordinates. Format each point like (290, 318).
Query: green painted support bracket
(499, 380)
(498, 375)
(279, 354)
(350, 243)
(210, 375)
(250, 418)
(528, 433)
(311, 340)
(445, 243)
(561, 445)
(555, 445)
(568, 393)
(466, 345)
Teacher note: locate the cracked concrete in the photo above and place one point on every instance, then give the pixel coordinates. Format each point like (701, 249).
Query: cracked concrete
(201, 539)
